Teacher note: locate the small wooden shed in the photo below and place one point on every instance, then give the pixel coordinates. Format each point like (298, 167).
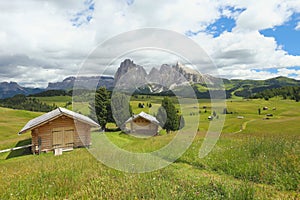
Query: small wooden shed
(143, 123)
(60, 128)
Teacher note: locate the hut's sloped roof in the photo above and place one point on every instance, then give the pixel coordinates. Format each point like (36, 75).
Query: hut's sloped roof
(145, 116)
(55, 114)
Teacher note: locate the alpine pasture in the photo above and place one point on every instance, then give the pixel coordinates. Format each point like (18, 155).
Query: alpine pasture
(255, 158)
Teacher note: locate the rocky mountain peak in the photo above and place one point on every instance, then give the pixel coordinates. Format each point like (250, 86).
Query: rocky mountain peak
(165, 68)
(191, 75)
(130, 74)
(9, 89)
(154, 71)
(69, 79)
(10, 86)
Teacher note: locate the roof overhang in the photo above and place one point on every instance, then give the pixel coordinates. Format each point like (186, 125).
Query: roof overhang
(39, 121)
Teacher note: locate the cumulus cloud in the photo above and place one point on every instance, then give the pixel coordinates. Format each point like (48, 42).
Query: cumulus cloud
(250, 48)
(244, 73)
(298, 27)
(263, 14)
(45, 41)
(262, 74)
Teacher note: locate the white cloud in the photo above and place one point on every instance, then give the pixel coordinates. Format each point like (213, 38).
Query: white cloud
(252, 49)
(25, 75)
(289, 72)
(244, 73)
(263, 14)
(298, 27)
(43, 31)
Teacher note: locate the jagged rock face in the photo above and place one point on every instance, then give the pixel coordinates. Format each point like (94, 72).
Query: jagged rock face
(130, 75)
(6, 86)
(154, 76)
(190, 75)
(67, 83)
(82, 83)
(170, 77)
(9, 89)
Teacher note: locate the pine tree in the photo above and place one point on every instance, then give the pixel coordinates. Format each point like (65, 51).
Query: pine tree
(167, 113)
(121, 109)
(99, 109)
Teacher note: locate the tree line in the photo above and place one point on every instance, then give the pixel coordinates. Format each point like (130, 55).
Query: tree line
(51, 93)
(287, 92)
(22, 102)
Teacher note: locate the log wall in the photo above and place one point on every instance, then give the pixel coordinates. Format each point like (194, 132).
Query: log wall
(81, 134)
(141, 125)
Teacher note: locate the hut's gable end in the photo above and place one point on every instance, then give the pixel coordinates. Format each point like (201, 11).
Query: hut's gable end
(50, 116)
(141, 121)
(143, 126)
(60, 129)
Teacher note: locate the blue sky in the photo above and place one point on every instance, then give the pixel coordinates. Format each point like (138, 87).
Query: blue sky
(216, 28)
(85, 15)
(288, 38)
(286, 35)
(224, 23)
(221, 25)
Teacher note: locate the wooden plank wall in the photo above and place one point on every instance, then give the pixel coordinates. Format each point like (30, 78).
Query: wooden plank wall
(81, 135)
(143, 125)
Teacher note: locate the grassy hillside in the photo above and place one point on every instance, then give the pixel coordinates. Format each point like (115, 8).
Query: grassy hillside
(248, 109)
(246, 88)
(243, 88)
(57, 100)
(22, 102)
(253, 159)
(11, 122)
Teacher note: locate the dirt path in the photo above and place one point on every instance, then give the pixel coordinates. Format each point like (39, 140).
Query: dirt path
(243, 127)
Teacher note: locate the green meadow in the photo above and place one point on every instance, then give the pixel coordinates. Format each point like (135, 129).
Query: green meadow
(57, 100)
(254, 158)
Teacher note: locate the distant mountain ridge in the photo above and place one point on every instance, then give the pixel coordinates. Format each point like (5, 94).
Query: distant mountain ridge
(9, 89)
(247, 88)
(131, 76)
(169, 78)
(160, 80)
(82, 82)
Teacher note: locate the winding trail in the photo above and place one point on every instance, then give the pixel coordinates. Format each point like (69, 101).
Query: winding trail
(243, 127)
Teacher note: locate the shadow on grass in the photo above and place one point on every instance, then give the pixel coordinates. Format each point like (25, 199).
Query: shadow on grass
(20, 152)
(112, 129)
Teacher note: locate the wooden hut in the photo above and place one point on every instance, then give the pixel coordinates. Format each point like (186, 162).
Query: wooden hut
(143, 124)
(59, 129)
